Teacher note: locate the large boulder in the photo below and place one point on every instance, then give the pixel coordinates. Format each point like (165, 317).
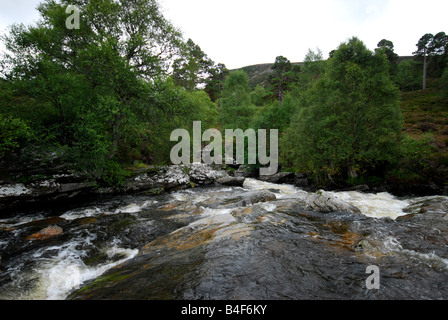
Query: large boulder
(437, 204)
(232, 181)
(256, 197)
(280, 177)
(324, 202)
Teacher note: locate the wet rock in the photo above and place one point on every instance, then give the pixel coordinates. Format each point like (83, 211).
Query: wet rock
(244, 171)
(359, 188)
(203, 174)
(231, 181)
(280, 177)
(301, 182)
(322, 201)
(58, 187)
(13, 190)
(255, 197)
(173, 177)
(47, 233)
(151, 180)
(435, 204)
(248, 214)
(281, 250)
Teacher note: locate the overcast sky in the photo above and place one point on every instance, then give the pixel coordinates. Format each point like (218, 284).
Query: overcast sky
(244, 32)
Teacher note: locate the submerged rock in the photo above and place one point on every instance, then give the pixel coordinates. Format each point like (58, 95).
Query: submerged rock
(47, 233)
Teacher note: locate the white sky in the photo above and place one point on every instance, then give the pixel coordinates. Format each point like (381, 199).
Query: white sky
(244, 32)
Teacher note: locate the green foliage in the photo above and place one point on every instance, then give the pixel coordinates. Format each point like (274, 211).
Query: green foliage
(283, 76)
(102, 92)
(388, 47)
(276, 115)
(349, 120)
(313, 68)
(110, 93)
(215, 82)
(415, 151)
(258, 96)
(192, 68)
(443, 83)
(408, 75)
(13, 132)
(433, 51)
(414, 161)
(237, 109)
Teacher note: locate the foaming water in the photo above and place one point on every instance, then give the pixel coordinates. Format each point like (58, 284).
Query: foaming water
(133, 207)
(280, 190)
(67, 271)
(52, 272)
(375, 205)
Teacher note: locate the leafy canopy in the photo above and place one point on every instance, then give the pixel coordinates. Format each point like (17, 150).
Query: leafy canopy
(350, 119)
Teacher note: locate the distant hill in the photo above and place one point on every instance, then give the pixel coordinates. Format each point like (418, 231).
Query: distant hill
(259, 73)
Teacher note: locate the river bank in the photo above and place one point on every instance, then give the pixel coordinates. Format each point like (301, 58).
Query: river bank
(24, 187)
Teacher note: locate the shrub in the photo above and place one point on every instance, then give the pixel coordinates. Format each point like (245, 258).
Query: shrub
(13, 133)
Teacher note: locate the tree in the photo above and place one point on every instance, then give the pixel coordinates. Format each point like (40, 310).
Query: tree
(283, 75)
(276, 114)
(101, 90)
(258, 95)
(236, 109)
(13, 132)
(423, 50)
(215, 82)
(408, 75)
(443, 83)
(350, 120)
(193, 68)
(312, 69)
(432, 49)
(438, 60)
(388, 47)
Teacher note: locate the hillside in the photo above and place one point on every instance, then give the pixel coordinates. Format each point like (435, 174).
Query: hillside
(259, 73)
(425, 113)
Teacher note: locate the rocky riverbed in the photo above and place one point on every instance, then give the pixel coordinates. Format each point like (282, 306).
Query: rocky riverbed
(238, 239)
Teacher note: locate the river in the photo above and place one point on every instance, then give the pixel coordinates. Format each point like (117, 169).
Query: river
(266, 250)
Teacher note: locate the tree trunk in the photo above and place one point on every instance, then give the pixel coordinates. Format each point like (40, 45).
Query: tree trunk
(352, 172)
(115, 135)
(424, 71)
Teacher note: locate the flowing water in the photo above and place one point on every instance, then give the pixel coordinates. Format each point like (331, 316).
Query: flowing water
(258, 253)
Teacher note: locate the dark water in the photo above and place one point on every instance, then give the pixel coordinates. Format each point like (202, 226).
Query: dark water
(205, 244)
